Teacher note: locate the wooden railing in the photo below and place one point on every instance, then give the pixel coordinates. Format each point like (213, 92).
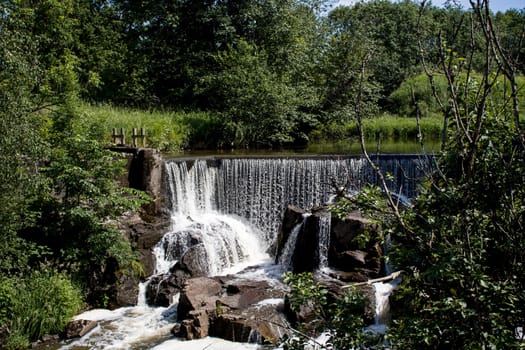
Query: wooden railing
(119, 137)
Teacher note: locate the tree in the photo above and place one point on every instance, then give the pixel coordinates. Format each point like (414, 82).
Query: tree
(469, 215)
(21, 141)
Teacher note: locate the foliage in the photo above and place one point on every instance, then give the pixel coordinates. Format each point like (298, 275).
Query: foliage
(469, 215)
(166, 131)
(84, 197)
(465, 295)
(40, 303)
(341, 321)
(257, 107)
(417, 90)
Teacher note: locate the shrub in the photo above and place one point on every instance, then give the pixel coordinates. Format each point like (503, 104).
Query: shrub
(42, 303)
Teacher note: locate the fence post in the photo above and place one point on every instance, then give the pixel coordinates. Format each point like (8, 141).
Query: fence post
(134, 132)
(143, 136)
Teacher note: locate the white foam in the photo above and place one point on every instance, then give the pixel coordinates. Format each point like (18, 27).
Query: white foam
(206, 343)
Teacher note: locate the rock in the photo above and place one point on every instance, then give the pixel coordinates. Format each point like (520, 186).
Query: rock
(50, 338)
(356, 258)
(292, 217)
(196, 326)
(230, 308)
(362, 259)
(161, 290)
(145, 174)
(4, 335)
(127, 290)
(344, 231)
(79, 328)
(305, 257)
(240, 295)
(175, 330)
(195, 261)
(199, 293)
(347, 276)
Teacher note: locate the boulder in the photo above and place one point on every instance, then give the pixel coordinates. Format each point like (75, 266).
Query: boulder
(161, 290)
(199, 293)
(79, 328)
(195, 260)
(231, 309)
(293, 215)
(305, 257)
(363, 260)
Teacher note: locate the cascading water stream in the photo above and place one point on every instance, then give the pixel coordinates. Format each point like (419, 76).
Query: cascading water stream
(285, 259)
(225, 216)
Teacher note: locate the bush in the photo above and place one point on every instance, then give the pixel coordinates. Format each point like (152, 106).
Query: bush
(41, 303)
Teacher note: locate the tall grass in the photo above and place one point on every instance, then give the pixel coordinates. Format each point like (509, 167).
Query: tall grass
(385, 127)
(165, 130)
(42, 303)
(388, 127)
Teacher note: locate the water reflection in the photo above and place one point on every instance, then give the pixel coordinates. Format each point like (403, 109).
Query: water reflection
(335, 148)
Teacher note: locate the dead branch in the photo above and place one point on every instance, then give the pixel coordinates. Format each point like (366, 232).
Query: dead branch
(390, 277)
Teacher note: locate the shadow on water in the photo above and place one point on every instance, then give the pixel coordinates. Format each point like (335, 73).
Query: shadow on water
(333, 148)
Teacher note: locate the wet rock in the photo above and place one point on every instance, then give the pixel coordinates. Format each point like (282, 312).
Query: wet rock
(199, 293)
(195, 261)
(79, 328)
(293, 215)
(305, 257)
(161, 290)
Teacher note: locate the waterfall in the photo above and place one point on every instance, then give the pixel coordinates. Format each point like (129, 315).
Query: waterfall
(285, 259)
(215, 242)
(259, 189)
(324, 241)
(225, 215)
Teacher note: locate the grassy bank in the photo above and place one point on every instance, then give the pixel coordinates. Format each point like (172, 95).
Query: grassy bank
(386, 128)
(167, 131)
(171, 131)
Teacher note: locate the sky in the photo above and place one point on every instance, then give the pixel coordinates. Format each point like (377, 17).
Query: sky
(495, 5)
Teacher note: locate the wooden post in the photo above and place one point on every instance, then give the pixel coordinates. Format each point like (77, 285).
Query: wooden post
(119, 138)
(143, 136)
(134, 137)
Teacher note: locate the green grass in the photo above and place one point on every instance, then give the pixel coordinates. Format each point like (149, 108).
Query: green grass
(42, 303)
(386, 128)
(165, 130)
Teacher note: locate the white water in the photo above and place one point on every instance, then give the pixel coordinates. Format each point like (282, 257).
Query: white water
(285, 259)
(324, 240)
(228, 213)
